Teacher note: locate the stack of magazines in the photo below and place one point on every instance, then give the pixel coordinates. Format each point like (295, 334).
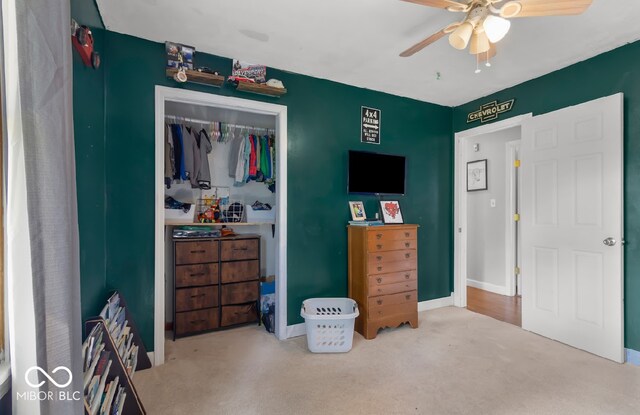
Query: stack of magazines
(101, 397)
(114, 316)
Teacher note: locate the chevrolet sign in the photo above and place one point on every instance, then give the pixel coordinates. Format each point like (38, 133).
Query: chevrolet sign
(490, 111)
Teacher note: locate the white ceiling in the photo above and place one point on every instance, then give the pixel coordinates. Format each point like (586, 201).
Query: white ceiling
(357, 42)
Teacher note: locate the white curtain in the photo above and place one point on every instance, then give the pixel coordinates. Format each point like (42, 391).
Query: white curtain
(42, 231)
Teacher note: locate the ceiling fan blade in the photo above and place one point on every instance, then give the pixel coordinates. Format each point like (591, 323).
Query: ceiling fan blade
(441, 4)
(421, 45)
(533, 8)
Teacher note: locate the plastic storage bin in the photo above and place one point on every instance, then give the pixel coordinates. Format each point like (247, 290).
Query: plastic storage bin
(329, 323)
(261, 216)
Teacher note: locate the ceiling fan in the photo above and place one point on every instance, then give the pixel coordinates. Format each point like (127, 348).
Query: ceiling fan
(486, 23)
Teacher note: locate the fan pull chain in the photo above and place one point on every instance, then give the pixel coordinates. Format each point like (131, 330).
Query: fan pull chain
(488, 63)
(478, 70)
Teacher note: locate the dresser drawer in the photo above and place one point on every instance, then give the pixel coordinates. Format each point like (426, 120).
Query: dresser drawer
(195, 275)
(242, 292)
(386, 267)
(238, 314)
(387, 245)
(386, 235)
(383, 279)
(392, 310)
(196, 321)
(240, 271)
(188, 299)
(393, 288)
(240, 249)
(392, 299)
(391, 256)
(195, 252)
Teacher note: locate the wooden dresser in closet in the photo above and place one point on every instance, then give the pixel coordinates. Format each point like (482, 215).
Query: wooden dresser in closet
(216, 283)
(383, 276)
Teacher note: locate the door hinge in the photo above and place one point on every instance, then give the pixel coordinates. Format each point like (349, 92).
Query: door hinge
(517, 270)
(516, 217)
(516, 163)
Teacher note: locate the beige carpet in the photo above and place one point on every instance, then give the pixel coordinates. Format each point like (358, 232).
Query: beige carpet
(457, 362)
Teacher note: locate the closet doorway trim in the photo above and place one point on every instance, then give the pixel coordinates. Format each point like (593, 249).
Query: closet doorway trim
(164, 94)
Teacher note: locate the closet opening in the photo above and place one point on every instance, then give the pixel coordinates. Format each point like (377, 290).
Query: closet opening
(220, 254)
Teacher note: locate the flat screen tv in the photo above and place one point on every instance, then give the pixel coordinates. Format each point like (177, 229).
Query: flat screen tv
(375, 173)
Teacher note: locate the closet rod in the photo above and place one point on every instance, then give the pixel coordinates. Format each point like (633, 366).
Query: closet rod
(194, 121)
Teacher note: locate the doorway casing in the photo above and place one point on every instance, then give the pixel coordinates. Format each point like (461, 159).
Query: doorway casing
(279, 112)
(460, 202)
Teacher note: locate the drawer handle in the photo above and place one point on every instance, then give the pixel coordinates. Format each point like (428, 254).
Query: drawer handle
(379, 302)
(407, 255)
(379, 280)
(379, 236)
(197, 295)
(379, 246)
(379, 258)
(407, 234)
(200, 251)
(406, 276)
(198, 321)
(241, 249)
(407, 244)
(197, 274)
(408, 296)
(379, 268)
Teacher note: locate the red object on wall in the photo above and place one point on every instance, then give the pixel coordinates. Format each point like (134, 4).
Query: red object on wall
(83, 43)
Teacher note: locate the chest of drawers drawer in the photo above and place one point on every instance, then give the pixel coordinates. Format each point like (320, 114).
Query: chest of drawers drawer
(391, 310)
(393, 288)
(376, 258)
(387, 267)
(395, 277)
(196, 274)
(381, 246)
(196, 321)
(242, 292)
(239, 250)
(188, 299)
(196, 252)
(240, 271)
(387, 235)
(392, 299)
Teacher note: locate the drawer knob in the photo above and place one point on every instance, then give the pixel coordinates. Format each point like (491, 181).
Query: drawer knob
(379, 302)
(379, 258)
(198, 321)
(407, 244)
(197, 295)
(408, 296)
(407, 234)
(244, 248)
(379, 280)
(199, 251)
(379, 246)
(379, 236)
(406, 276)
(197, 274)
(379, 268)
(407, 255)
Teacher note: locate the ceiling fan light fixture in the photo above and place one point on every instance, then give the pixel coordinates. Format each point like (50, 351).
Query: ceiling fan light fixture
(511, 9)
(496, 28)
(479, 43)
(459, 39)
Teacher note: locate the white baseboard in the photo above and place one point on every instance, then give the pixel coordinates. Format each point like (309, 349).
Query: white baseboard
(296, 330)
(152, 357)
(498, 289)
(437, 303)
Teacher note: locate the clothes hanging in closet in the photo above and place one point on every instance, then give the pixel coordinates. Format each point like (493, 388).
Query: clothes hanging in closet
(252, 159)
(205, 146)
(188, 159)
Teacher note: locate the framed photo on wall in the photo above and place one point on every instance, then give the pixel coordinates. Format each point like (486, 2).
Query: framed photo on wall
(477, 175)
(391, 212)
(357, 211)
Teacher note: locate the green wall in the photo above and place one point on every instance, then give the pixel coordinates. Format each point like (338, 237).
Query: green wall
(323, 123)
(89, 130)
(603, 75)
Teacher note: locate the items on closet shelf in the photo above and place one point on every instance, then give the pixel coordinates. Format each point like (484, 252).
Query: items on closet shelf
(252, 158)
(186, 156)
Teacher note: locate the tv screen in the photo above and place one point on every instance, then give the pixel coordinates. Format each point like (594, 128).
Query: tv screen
(374, 173)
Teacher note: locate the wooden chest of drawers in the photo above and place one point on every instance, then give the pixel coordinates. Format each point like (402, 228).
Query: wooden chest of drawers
(383, 276)
(216, 283)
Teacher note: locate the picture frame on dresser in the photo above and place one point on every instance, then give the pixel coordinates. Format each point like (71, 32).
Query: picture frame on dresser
(357, 211)
(391, 212)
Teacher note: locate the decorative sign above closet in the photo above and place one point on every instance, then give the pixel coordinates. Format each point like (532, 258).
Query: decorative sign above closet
(370, 127)
(490, 111)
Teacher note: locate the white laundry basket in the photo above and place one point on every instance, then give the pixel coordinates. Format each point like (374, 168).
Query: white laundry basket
(329, 323)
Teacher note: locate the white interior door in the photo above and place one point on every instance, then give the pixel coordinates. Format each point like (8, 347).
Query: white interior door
(572, 226)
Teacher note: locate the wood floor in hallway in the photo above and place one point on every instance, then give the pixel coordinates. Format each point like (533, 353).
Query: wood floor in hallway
(500, 307)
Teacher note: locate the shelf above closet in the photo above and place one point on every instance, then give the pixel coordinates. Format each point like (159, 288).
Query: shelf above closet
(178, 223)
(260, 89)
(197, 77)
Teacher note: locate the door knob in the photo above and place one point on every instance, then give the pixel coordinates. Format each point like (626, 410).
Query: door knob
(609, 242)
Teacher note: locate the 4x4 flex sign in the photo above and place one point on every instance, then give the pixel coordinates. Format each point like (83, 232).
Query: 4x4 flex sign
(490, 111)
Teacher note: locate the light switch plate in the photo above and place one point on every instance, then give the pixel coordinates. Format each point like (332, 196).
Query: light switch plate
(493, 203)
